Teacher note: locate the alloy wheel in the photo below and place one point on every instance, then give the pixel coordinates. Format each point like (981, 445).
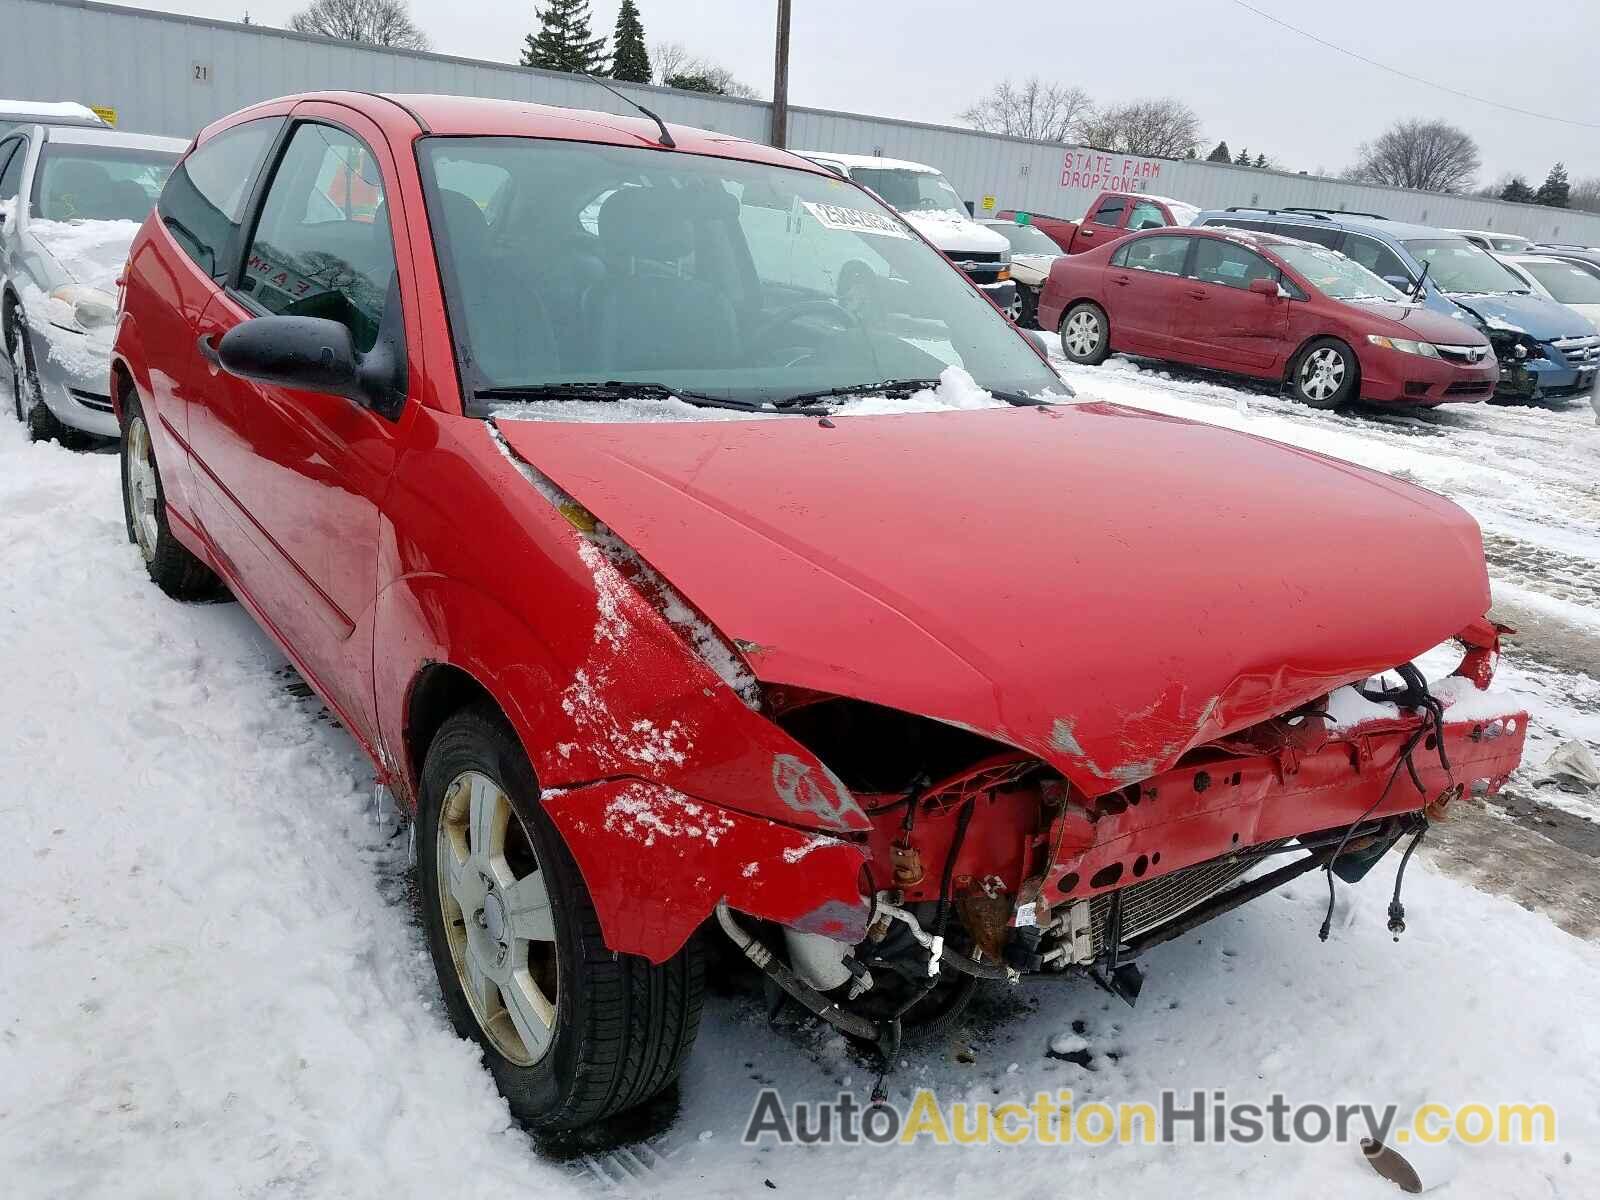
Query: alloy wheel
(1082, 333)
(143, 494)
(1322, 374)
(497, 918)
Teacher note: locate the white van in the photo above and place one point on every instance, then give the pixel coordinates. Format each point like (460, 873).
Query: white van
(928, 202)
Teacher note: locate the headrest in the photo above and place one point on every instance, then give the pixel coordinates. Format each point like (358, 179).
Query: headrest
(465, 223)
(82, 183)
(641, 222)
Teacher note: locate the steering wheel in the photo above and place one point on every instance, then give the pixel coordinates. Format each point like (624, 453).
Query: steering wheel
(786, 317)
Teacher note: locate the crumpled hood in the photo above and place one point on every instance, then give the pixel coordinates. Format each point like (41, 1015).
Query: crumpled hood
(1100, 586)
(1540, 318)
(956, 234)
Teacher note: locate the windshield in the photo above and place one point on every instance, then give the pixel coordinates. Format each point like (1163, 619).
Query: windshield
(910, 191)
(98, 183)
(1567, 283)
(1336, 276)
(1025, 239)
(581, 264)
(1458, 267)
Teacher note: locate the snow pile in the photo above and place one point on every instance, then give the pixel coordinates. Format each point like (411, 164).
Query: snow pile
(1462, 699)
(956, 390)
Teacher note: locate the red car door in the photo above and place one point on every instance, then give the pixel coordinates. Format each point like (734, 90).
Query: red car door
(1220, 322)
(171, 281)
(1103, 225)
(1144, 287)
(295, 480)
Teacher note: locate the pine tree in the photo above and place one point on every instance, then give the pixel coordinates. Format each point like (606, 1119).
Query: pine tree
(630, 61)
(1517, 191)
(1188, 152)
(1244, 158)
(564, 41)
(1261, 160)
(1555, 191)
(1220, 154)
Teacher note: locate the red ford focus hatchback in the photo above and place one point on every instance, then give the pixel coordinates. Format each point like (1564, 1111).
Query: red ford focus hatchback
(698, 554)
(1266, 306)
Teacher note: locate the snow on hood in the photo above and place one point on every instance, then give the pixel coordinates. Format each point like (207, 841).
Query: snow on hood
(92, 252)
(1536, 316)
(954, 232)
(957, 390)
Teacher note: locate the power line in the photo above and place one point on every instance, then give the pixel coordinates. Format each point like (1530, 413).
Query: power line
(1372, 62)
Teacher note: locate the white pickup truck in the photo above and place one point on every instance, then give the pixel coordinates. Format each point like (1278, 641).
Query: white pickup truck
(933, 207)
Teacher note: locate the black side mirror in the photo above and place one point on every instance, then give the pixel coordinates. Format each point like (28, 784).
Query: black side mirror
(315, 355)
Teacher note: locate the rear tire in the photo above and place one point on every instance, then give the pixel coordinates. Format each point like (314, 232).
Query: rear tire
(572, 1032)
(1325, 374)
(1085, 334)
(171, 565)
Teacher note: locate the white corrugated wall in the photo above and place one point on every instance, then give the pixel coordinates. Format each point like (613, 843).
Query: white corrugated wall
(144, 64)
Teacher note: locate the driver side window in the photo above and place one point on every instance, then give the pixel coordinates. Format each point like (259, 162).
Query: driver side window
(1146, 216)
(322, 247)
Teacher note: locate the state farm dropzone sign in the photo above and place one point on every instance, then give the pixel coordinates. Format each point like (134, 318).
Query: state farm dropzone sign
(1108, 172)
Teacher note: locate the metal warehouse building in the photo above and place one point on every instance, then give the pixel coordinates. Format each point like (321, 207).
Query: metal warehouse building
(171, 74)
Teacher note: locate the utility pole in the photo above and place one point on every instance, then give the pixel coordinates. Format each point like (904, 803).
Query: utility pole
(780, 80)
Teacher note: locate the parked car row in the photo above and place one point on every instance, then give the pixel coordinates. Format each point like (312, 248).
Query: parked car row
(1139, 274)
(654, 508)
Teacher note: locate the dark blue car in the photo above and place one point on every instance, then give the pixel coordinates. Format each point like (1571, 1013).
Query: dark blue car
(1546, 350)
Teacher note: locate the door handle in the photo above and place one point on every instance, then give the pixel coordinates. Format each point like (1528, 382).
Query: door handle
(209, 352)
(1122, 282)
(1086, 232)
(1199, 295)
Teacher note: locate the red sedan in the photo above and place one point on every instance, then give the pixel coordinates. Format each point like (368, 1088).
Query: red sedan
(676, 594)
(1269, 307)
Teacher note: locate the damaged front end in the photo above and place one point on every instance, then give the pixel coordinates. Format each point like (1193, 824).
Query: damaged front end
(987, 863)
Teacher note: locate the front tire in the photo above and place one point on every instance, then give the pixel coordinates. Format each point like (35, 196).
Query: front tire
(1085, 334)
(26, 393)
(171, 565)
(1325, 374)
(572, 1032)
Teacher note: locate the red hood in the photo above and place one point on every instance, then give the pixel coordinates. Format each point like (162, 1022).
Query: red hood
(1100, 586)
(1423, 325)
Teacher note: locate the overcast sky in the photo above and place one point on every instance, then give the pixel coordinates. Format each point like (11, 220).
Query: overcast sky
(1255, 84)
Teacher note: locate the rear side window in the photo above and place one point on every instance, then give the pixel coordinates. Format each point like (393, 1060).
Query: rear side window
(1375, 257)
(1110, 211)
(322, 247)
(1162, 255)
(1222, 262)
(1318, 235)
(203, 203)
(1147, 216)
(12, 155)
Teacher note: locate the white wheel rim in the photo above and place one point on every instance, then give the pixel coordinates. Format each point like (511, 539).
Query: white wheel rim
(499, 926)
(1082, 333)
(142, 492)
(1014, 309)
(1322, 373)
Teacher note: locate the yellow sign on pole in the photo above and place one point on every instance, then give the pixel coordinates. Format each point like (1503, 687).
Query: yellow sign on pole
(108, 115)
(988, 204)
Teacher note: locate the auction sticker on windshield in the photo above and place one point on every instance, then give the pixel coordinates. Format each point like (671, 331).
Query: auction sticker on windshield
(855, 220)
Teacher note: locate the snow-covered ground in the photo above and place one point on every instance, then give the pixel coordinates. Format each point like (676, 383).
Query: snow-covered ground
(212, 984)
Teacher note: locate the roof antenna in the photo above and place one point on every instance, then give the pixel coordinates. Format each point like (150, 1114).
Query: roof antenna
(666, 138)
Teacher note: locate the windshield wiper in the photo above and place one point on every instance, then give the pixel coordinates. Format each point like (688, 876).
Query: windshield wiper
(611, 390)
(895, 389)
(1420, 293)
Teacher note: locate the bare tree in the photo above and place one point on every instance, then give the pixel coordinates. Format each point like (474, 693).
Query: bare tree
(379, 22)
(674, 60)
(1585, 194)
(1046, 112)
(1160, 128)
(1432, 156)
